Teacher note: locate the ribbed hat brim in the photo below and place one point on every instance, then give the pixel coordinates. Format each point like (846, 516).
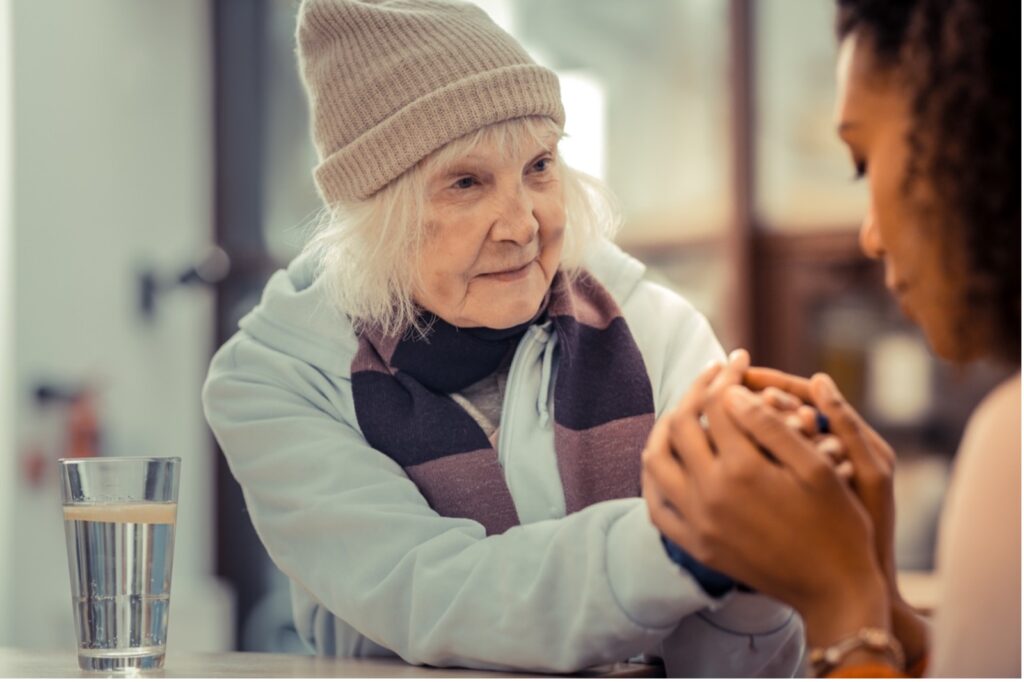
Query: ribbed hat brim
(382, 153)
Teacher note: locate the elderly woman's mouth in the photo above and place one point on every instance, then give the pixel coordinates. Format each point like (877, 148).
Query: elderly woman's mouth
(510, 275)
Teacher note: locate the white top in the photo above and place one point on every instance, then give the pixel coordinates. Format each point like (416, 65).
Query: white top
(977, 624)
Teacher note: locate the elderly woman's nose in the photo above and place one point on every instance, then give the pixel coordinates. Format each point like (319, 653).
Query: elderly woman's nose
(516, 220)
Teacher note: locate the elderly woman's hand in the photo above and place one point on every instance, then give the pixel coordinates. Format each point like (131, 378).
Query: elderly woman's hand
(789, 528)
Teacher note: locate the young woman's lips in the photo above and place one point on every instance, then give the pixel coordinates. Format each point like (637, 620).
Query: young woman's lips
(510, 275)
(899, 292)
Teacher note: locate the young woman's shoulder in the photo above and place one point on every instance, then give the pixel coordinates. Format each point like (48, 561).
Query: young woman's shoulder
(993, 432)
(1002, 403)
(990, 451)
(979, 547)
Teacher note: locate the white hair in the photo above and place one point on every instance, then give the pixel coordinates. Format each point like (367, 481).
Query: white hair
(367, 250)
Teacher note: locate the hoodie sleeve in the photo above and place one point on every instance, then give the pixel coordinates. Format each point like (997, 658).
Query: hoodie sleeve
(356, 537)
(743, 634)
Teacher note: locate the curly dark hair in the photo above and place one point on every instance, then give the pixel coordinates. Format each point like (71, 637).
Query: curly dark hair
(961, 62)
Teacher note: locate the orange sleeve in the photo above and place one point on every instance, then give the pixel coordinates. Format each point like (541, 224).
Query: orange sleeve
(880, 670)
(917, 670)
(865, 670)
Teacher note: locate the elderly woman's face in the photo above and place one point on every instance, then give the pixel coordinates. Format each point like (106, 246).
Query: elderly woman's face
(495, 222)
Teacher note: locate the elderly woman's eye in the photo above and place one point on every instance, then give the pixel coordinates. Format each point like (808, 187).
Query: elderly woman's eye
(541, 165)
(465, 182)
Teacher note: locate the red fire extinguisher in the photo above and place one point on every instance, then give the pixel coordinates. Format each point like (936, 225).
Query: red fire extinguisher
(83, 426)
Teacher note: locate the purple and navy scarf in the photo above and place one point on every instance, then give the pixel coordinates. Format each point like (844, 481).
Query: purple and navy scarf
(603, 406)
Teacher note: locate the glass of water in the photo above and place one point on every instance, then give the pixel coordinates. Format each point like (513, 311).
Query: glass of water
(119, 517)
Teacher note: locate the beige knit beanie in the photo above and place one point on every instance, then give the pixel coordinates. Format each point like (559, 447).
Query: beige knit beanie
(390, 81)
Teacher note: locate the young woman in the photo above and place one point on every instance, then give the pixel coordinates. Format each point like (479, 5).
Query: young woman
(929, 107)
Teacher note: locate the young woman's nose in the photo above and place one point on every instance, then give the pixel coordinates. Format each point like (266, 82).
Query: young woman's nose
(870, 239)
(516, 221)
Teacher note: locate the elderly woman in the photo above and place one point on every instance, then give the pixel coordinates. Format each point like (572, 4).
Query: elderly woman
(929, 109)
(436, 413)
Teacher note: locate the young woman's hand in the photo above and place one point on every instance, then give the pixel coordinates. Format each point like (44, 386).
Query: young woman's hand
(790, 528)
(872, 465)
(872, 460)
(803, 418)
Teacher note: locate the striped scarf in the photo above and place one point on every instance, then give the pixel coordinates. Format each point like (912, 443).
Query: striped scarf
(603, 406)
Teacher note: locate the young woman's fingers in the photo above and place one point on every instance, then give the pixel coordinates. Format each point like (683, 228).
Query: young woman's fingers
(653, 495)
(831, 447)
(803, 420)
(713, 421)
(680, 431)
(666, 472)
(730, 441)
(844, 470)
(870, 464)
(768, 428)
(878, 444)
(689, 442)
(781, 400)
(665, 517)
(760, 378)
(692, 400)
(848, 426)
(732, 373)
(808, 420)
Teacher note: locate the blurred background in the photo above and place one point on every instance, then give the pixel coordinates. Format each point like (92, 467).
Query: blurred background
(155, 168)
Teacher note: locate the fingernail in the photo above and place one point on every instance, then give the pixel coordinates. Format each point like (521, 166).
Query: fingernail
(773, 397)
(741, 397)
(831, 447)
(736, 354)
(794, 422)
(785, 400)
(831, 390)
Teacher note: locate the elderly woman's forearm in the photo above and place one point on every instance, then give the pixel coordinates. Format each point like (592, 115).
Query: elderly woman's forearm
(362, 540)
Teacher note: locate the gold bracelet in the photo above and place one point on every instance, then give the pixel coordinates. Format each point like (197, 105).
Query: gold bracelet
(824, 660)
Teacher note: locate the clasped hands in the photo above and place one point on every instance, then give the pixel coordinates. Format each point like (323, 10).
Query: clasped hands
(738, 475)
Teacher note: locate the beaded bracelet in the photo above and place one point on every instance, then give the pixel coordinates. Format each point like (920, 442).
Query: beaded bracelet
(822, 660)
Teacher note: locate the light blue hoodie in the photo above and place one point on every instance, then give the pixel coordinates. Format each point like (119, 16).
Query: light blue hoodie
(376, 572)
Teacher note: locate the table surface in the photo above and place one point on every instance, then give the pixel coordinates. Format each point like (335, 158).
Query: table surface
(23, 663)
(920, 589)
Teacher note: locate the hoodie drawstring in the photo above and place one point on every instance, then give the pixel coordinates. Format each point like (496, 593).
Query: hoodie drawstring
(545, 379)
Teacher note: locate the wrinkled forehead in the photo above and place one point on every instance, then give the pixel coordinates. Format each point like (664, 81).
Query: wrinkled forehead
(513, 141)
